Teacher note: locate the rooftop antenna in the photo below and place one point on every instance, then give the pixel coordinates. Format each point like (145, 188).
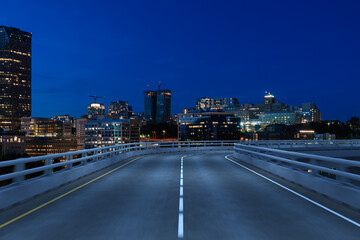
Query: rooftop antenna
(95, 97)
(160, 85)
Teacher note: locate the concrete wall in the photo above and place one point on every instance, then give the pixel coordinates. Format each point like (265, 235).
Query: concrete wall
(334, 190)
(19, 192)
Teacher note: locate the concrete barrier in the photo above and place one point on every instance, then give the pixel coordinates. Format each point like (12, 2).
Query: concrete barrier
(334, 189)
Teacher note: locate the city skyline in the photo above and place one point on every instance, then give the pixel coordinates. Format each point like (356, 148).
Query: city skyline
(236, 54)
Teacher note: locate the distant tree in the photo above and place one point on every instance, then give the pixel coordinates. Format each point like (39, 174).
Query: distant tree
(354, 122)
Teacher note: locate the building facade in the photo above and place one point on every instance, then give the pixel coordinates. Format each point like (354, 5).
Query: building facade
(214, 104)
(120, 110)
(15, 77)
(288, 118)
(12, 144)
(107, 132)
(37, 146)
(95, 110)
(208, 126)
(157, 105)
(310, 113)
(80, 132)
(44, 127)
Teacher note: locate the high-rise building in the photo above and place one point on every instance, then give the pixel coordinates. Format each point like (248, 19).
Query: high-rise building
(120, 110)
(80, 132)
(269, 99)
(213, 104)
(95, 109)
(157, 105)
(310, 113)
(15, 77)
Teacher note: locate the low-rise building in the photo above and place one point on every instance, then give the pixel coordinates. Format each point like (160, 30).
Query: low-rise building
(12, 144)
(107, 132)
(214, 104)
(37, 146)
(208, 126)
(45, 136)
(288, 118)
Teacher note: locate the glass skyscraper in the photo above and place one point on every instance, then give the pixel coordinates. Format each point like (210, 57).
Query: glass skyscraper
(15, 77)
(157, 105)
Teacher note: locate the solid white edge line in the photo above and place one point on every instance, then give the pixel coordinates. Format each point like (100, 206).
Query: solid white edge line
(297, 194)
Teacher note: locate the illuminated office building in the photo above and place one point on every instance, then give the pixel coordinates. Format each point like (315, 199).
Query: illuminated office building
(208, 126)
(107, 132)
(15, 77)
(288, 118)
(120, 110)
(310, 113)
(37, 146)
(269, 99)
(43, 127)
(213, 104)
(95, 109)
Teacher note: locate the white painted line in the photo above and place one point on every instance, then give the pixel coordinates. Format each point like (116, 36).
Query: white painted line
(297, 194)
(181, 201)
(181, 226)
(181, 191)
(181, 205)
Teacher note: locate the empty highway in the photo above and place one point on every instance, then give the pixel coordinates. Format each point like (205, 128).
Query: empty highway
(170, 196)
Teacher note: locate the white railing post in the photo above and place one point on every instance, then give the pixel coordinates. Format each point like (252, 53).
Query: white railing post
(69, 158)
(95, 153)
(18, 168)
(83, 155)
(48, 162)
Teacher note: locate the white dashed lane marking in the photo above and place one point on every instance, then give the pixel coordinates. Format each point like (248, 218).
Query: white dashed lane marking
(181, 201)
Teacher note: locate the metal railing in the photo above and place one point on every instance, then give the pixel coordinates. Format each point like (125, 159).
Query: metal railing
(304, 143)
(19, 170)
(342, 170)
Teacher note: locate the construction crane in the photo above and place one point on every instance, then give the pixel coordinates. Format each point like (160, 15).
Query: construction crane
(95, 97)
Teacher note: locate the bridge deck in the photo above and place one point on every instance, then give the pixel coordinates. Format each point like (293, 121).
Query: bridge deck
(141, 201)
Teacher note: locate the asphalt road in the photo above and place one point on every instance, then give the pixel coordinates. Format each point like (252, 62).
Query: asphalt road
(141, 201)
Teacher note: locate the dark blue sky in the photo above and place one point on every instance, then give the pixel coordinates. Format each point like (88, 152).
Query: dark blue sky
(301, 51)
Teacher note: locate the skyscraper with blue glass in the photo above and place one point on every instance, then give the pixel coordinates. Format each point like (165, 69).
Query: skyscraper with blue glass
(157, 105)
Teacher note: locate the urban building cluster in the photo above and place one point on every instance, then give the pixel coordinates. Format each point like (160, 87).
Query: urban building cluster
(204, 121)
(211, 119)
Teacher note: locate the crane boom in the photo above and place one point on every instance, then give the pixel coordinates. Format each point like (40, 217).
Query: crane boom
(95, 97)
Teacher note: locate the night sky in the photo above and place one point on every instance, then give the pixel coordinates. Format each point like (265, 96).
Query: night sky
(300, 51)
